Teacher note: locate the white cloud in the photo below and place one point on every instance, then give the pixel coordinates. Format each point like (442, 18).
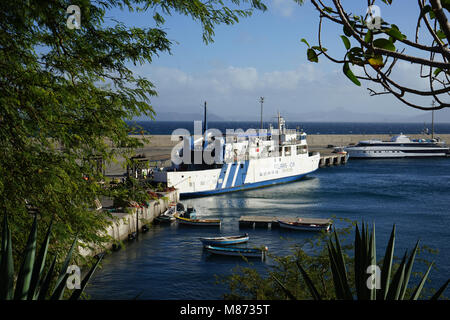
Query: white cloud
(234, 91)
(284, 7)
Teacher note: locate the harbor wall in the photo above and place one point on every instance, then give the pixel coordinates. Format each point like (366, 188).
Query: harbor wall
(323, 140)
(314, 140)
(124, 223)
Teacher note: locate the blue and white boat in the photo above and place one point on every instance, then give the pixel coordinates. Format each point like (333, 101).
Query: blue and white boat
(225, 240)
(238, 252)
(242, 160)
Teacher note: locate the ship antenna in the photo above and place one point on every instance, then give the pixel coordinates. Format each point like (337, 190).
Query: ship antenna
(205, 126)
(261, 100)
(432, 120)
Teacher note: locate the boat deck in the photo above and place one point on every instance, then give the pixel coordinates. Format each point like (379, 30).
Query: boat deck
(272, 221)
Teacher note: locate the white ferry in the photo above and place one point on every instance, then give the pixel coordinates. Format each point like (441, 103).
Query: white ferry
(247, 160)
(398, 147)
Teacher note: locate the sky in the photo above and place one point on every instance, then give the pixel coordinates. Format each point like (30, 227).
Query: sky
(263, 56)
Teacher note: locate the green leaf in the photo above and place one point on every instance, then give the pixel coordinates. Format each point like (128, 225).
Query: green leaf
(312, 289)
(320, 49)
(372, 259)
(376, 61)
(387, 265)
(440, 291)
(419, 287)
(285, 290)
(7, 265)
(62, 273)
(39, 265)
(312, 56)
(45, 287)
(347, 31)
(384, 44)
(26, 270)
(397, 281)
(409, 266)
(368, 36)
(346, 42)
(441, 35)
(306, 42)
(77, 293)
(59, 290)
(348, 72)
(395, 33)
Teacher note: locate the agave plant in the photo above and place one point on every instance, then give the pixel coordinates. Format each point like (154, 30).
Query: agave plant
(31, 283)
(392, 286)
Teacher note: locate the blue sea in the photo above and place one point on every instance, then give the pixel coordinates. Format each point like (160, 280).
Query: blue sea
(166, 127)
(168, 262)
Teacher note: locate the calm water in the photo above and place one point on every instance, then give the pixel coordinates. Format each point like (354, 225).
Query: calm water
(168, 262)
(166, 127)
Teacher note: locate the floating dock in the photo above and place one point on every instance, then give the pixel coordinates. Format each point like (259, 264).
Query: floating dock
(333, 160)
(266, 221)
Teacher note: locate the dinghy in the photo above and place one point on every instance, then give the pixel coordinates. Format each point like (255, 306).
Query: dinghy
(223, 241)
(302, 226)
(198, 222)
(238, 252)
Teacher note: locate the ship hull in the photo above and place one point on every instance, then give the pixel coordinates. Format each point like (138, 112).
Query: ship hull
(241, 175)
(243, 187)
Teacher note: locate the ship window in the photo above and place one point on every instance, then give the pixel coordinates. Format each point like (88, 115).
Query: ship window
(242, 165)
(287, 151)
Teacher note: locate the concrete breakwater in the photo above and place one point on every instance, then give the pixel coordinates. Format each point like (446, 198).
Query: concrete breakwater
(323, 140)
(159, 147)
(126, 222)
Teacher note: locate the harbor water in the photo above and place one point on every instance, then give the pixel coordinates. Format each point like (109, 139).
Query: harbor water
(168, 262)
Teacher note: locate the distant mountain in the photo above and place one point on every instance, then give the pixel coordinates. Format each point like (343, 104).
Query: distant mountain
(181, 116)
(334, 115)
(342, 115)
(442, 115)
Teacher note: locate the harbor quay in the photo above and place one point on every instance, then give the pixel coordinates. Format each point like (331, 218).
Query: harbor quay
(159, 147)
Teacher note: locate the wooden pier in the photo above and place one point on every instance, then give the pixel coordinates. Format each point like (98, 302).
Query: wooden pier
(266, 221)
(333, 160)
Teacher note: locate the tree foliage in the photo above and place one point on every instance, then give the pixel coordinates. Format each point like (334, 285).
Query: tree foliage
(333, 268)
(375, 46)
(65, 95)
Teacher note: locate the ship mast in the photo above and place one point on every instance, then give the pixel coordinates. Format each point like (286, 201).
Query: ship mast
(261, 100)
(432, 121)
(205, 126)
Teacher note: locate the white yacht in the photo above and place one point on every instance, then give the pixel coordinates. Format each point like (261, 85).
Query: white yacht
(398, 147)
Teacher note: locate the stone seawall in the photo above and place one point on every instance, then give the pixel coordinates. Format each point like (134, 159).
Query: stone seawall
(124, 223)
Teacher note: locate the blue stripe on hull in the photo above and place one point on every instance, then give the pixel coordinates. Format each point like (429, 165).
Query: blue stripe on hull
(245, 186)
(233, 169)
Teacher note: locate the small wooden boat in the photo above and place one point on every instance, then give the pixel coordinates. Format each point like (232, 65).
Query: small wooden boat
(167, 216)
(224, 241)
(238, 252)
(304, 226)
(198, 222)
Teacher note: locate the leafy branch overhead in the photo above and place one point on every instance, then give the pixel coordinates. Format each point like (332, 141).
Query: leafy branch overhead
(65, 95)
(375, 46)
